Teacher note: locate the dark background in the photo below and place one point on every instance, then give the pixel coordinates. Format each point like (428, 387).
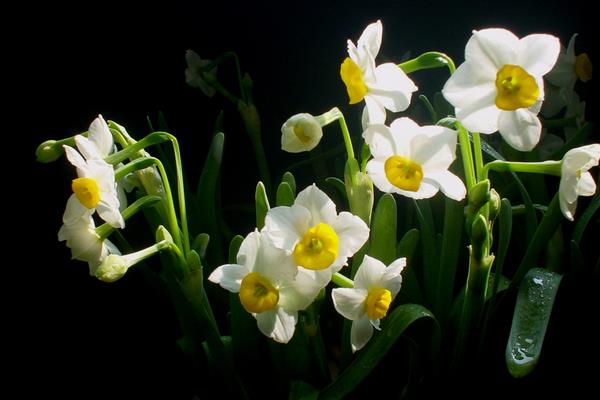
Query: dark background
(76, 337)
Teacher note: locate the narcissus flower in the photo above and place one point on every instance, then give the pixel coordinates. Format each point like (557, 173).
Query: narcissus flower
(499, 87)
(194, 71)
(81, 237)
(383, 87)
(561, 80)
(269, 285)
(575, 179)
(301, 132)
(413, 161)
(94, 189)
(314, 234)
(375, 286)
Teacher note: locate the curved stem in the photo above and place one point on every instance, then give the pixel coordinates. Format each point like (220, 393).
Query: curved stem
(466, 155)
(542, 167)
(342, 281)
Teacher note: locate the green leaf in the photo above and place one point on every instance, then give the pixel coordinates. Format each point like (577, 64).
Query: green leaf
(285, 195)
(368, 358)
(450, 250)
(261, 203)
(200, 244)
(288, 178)
(585, 218)
(338, 184)
(207, 207)
(430, 252)
(300, 390)
(234, 247)
(383, 230)
(504, 232)
(530, 320)
(411, 291)
(432, 114)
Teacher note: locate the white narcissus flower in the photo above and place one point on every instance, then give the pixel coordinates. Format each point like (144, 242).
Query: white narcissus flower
(412, 160)
(193, 75)
(499, 87)
(270, 286)
(568, 69)
(94, 189)
(85, 244)
(375, 286)
(301, 132)
(575, 180)
(383, 87)
(316, 236)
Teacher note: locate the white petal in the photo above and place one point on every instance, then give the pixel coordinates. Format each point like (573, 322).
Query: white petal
(87, 148)
(434, 149)
(468, 82)
(403, 130)
(277, 324)
(373, 113)
(100, 135)
(229, 276)
(584, 158)
(586, 185)
(492, 48)
(380, 141)
(376, 323)
(360, 333)
(298, 294)
(274, 263)
(349, 302)
(376, 171)
(393, 88)
(320, 206)
(480, 114)
(248, 250)
(392, 278)
(426, 191)
(352, 233)
(450, 184)
(521, 129)
(75, 158)
(370, 39)
(284, 226)
(538, 53)
(567, 208)
(110, 213)
(369, 273)
(75, 210)
(311, 129)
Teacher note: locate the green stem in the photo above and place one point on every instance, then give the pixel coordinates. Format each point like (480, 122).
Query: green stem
(542, 167)
(478, 157)
(106, 229)
(342, 281)
(467, 155)
(214, 82)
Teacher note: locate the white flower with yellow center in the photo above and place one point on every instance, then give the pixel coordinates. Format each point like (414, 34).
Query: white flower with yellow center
(94, 189)
(383, 87)
(85, 244)
(301, 132)
(375, 286)
(412, 160)
(499, 87)
(317, 237)
(568, 69)
(270, 286)
(575, 180)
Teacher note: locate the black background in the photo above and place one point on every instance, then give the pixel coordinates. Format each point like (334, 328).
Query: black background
(76, 337)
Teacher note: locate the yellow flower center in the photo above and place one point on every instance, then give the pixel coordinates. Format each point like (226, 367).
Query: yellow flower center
(378, 303)
(257, 294)
(516, 88)
(87, 191)
(583, 67)
(318, 249)
(403, 173)
(299, 132)
(353, 79)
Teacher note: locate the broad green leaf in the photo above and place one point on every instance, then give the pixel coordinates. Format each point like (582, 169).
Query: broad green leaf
(200, 244)
(261, 203)
(410, 291)
(285, 195)
(383, 230)
(530, 320)
(338, 184)
(300, 390)
(504, 232)
(429, 250)
(288, 177)
(585, 217)
(367, 358)
(234, 246)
